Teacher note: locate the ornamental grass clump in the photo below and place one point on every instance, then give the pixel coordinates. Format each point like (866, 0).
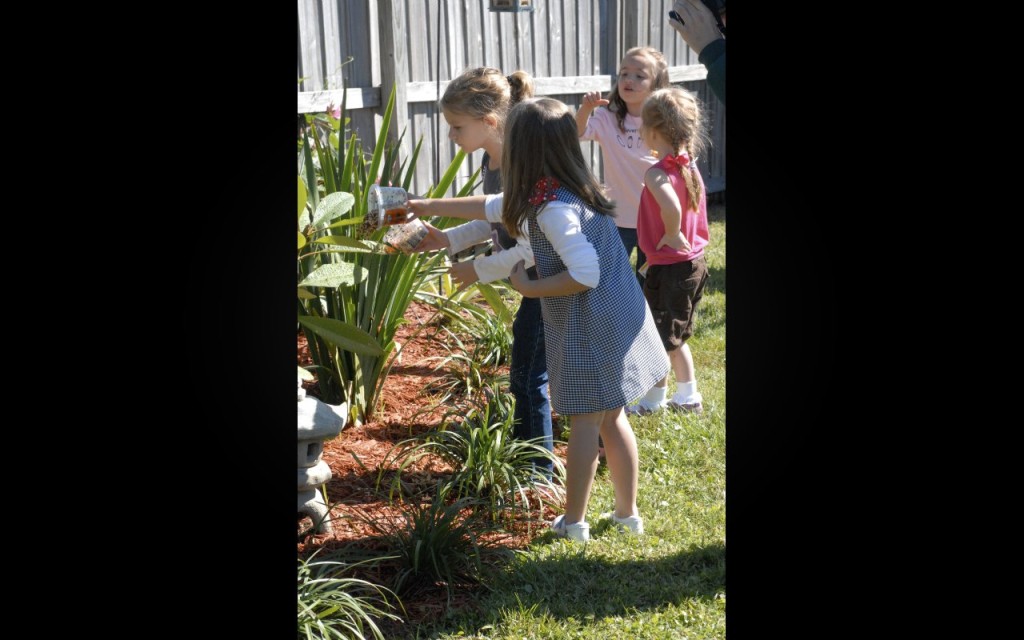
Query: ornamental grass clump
(331, 606)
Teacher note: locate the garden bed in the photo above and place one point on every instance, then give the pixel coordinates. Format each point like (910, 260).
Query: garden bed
(359, 452)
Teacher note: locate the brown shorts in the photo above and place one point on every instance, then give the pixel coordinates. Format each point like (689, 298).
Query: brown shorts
(672, 292)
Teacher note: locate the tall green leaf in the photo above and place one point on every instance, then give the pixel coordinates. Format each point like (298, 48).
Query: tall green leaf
(494, 299)
(350, 281)
(342, 335)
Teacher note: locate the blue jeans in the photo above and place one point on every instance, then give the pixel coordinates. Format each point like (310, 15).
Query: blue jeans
(528, 378)
(629, 241)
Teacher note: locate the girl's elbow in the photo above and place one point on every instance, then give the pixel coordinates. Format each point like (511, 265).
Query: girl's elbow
(586, 282)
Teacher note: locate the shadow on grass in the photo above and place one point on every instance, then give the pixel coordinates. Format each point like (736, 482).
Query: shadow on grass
(579, 585)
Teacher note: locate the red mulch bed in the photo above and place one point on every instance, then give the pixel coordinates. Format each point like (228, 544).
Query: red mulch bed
(357, 454)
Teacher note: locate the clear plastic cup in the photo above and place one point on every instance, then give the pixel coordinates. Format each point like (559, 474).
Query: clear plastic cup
(404, 237)
(387, 206)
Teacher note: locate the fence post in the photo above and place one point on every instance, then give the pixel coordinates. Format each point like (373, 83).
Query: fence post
(394, 71)
(609, 36)
(630, 27)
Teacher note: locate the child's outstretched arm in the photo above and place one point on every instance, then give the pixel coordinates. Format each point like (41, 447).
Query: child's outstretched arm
(468, 208)
(435, 240)
(591, 101)
(454, 239)
(657, 182)
(500, 263)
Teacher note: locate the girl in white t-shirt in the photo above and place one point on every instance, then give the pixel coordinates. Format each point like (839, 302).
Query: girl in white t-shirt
(617, 129)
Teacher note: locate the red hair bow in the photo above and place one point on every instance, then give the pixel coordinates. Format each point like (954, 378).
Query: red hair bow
(544, 190)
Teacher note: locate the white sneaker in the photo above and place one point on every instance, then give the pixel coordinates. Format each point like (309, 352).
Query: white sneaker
(682, 404)
(634, 524)
(642, 409)
(579, 531)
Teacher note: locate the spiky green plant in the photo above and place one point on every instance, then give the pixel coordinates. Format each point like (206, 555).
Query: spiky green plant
(349, 288)
(489, 325)
(438, 538)
(490, 464)
(334, 607)
(465, 374)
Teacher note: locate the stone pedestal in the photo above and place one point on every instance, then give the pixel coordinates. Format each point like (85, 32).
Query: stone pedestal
(318, 421)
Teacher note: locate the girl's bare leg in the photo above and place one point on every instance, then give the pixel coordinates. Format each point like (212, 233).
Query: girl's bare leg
(581, 463)
(623, 461)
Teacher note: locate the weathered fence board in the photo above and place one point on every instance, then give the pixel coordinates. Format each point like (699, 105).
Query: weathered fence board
(569, 48)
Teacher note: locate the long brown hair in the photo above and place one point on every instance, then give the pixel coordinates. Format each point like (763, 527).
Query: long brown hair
(541, 141)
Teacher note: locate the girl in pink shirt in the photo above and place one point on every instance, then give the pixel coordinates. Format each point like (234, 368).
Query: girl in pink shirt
(672, 229)
(616, 128)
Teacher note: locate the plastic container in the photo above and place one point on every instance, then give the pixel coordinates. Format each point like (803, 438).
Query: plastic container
(404, 237)
(387, 206)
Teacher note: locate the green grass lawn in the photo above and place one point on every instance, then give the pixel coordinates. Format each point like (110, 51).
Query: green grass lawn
(667, 583)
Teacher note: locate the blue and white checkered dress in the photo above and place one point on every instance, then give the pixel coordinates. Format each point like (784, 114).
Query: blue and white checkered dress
(603, 350)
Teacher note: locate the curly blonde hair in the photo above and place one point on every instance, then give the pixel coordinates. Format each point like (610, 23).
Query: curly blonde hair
(676, 115)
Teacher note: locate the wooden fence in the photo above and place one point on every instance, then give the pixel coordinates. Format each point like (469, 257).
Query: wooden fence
(417, 46)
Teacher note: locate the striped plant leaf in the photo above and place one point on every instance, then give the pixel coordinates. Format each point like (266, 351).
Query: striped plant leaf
(335, 275)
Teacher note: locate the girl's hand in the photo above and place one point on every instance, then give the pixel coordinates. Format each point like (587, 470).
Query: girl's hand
(519, 278)
(435, 240)
(592, 100)
(675, 240)
(464, 272)
(419, 206)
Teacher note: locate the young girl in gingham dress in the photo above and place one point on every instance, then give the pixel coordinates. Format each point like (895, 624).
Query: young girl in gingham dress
(596, 361)
(603, 349)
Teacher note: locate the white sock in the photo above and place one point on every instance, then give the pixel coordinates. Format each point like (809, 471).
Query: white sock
(686, 393)
(655, 397)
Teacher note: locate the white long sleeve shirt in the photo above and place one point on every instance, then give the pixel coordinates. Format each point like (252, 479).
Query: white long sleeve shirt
(559, 223)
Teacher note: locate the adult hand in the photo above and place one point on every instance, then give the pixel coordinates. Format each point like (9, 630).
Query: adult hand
(699, 27)
(435, 240)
